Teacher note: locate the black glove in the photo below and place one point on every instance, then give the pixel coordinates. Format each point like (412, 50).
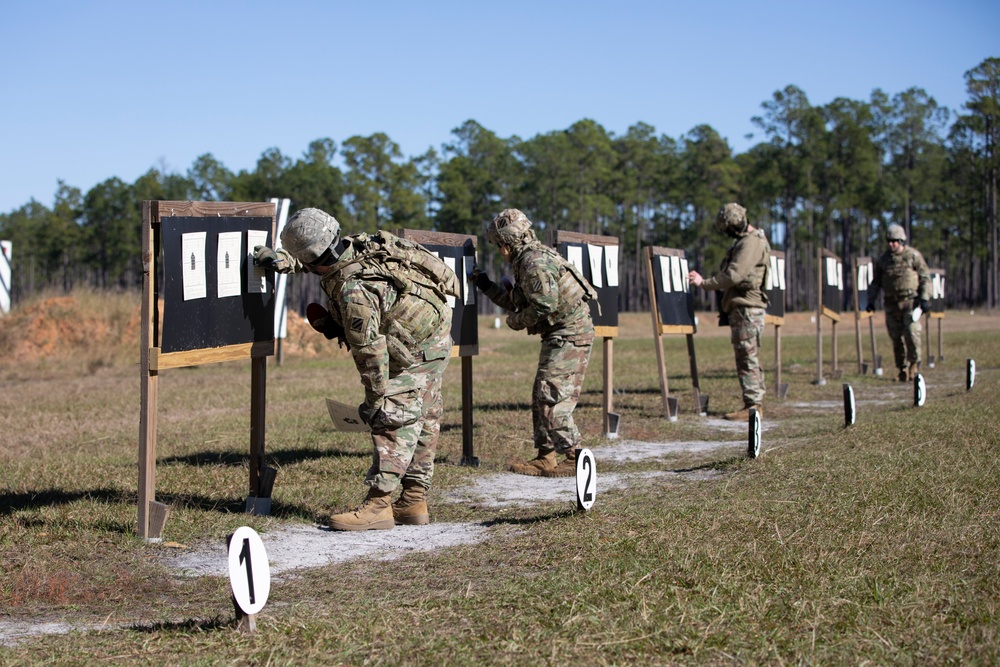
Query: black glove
(375, 418)
(871, 306)
(321, 320)
(483, 281)
(924, 304)
(264, 256)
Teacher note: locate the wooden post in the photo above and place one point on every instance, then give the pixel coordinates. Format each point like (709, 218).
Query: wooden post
(819, 319)
(468, 454)
(857, 337)
(657, 327)
(608, 377)
(699, 407)
(777, 362)
(940, 321)
(147, 378)
(833, 356)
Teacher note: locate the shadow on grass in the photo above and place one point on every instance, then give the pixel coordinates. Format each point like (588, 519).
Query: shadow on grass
(277, 456)
(15, 502)
(528, 520)
(279, 510)
(32, 500)
(503, 407)
(725, 465)
(191, 625)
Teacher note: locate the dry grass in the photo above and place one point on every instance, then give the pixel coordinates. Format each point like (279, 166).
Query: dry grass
(877, 543)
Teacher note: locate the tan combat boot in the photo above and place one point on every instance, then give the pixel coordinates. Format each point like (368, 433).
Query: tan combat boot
(912, 371)
(566, 467)
(411, 507)
(375, 513)
(744, 414)
(546, 460)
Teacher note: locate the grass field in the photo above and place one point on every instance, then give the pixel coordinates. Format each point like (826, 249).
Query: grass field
(877, 543)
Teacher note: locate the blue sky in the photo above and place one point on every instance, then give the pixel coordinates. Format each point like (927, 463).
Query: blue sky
(94, 89)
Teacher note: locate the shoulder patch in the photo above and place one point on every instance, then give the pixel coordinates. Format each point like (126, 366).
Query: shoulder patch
(357, 324)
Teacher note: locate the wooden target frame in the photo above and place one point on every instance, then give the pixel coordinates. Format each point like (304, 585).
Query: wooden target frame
(604, 311)
(187, 348)
(864, 273)
(830, 284)
(461, 250)
(775, 312)
(678, 311)
(937, 304)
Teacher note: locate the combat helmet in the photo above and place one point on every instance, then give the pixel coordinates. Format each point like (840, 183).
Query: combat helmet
(732, 220)
(895, 233)
(309, 234)
(509, 227)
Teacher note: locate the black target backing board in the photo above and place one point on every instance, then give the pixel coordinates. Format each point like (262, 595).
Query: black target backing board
(831, 271)
(775, 288)
(596, 256)
(937, 292)
(211, 321)
(864, 273)
(674, 301)
(459, 252)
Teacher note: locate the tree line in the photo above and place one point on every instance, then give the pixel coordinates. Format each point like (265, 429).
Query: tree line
(831, 176)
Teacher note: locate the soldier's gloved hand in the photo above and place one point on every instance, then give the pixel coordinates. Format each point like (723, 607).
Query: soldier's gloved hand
(870, 307)
(269, 259)
(514, 322)
(374, 417)
(482, 280)
(925, 305)
(321, 320)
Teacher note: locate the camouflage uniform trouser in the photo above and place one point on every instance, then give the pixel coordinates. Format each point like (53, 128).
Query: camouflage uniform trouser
(746, 325)
(562, 365)
(413, 406)
(903, 331)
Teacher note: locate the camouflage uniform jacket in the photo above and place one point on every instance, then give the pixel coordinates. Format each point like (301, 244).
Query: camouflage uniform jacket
(743, 272)
(387, 329)
(904, 276)
(547, 297)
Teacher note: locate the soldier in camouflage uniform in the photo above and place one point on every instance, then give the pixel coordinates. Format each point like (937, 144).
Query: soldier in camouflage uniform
(903, 273)
(549, 298)
(397, 325)
(742, 278)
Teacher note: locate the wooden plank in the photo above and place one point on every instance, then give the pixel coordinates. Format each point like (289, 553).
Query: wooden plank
(197, 209)
(606, 332)
(676, 329)
(832, 314)
(773, 319)
(423, 237)
(464, 350)
(161, 361)
(562, 236)
(667, 252)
